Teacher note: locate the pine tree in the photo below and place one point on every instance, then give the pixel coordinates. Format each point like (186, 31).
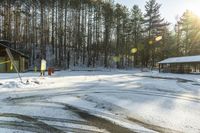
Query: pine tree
(108, 23)
(136, 29)
(153, 26)
(190, 33)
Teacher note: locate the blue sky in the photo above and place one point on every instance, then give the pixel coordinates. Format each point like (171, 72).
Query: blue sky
(170, 8)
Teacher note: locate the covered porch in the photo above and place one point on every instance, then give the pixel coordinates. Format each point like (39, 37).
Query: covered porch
(186, 64)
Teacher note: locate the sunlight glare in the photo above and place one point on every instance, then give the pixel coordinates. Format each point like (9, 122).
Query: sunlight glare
(134, 50)
(158, 38)
(193, 5)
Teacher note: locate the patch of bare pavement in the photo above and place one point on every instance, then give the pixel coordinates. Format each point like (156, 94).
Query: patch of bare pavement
(100, 122)
(168, 78)
(28, 124)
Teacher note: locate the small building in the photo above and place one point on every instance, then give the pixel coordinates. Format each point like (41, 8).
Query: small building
(20, 59)
(186, 64)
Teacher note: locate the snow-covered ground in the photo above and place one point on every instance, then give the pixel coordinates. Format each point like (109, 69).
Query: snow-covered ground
(74, 101)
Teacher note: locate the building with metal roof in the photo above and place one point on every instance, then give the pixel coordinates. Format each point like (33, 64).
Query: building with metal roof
(185, 64)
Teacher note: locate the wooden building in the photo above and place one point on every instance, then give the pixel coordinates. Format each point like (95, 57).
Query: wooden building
(186, 64)
(20, 59)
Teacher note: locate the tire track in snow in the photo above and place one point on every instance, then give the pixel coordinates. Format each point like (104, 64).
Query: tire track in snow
(27, 126)
(91, 119)
(107, 105)
(91, 89)
(182, 96)
(81, 112)
(145, 91)
(43, 127)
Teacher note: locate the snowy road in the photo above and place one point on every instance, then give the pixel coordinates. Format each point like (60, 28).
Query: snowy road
(118, 102)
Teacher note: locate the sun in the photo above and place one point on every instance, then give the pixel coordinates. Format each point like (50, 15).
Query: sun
(193, 5)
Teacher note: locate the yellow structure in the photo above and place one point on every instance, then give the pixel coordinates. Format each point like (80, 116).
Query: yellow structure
(20, 59)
